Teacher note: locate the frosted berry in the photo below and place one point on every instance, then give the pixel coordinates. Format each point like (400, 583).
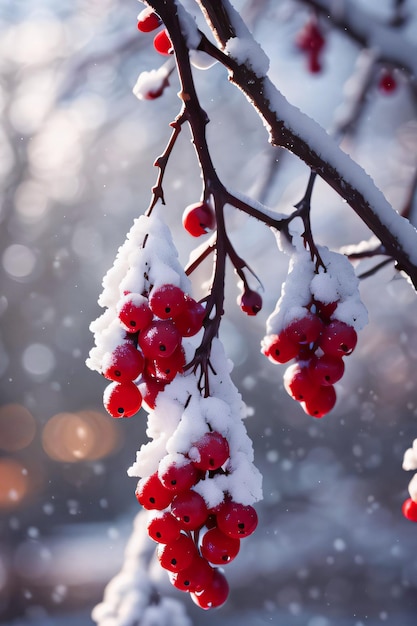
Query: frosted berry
(150, 388)
(409, 510)
(124, 364)
(190, 322)
(219, 548)
(164, 528)
(134, 312)
(215, 594)
(148, 20)
(326, 369)
(160, 339)
(190, 509)
(236, 520)
(166, 368)
(152, 494)
(198, 219)
(210, 452)
(306, 329)
(250, 302)
(279, 348)
(298, 383)
(162, 43)
(321, 403)
(179, 477)
(195, 577)
(324, 310)
(177, 555)
(338, 339)
(122, 399)
(167, 301)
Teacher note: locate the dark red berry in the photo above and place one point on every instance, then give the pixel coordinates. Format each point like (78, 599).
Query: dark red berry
(279, 348)
(387, 83)
(179, 477)
(177, 555)
(190, 509)
(210, 452)
(195, 577)
(122, 399)
(326, 369)
(298, 383)
(148, 20)
(190, 322)
(164, 528)
(236, 520)
(162, 43)
(409, 510)
(150, 388)
(306, 329)
(124, 364)
(167, 368)
(134, 312)
(338, 339)
(250, 302)
(219, 548)
(198, 219)
(215, 594)
(321, 403)
(160, 339)
(152, 494)
(167, 301)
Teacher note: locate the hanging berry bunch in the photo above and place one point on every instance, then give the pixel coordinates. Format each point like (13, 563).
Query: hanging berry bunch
(315, 324)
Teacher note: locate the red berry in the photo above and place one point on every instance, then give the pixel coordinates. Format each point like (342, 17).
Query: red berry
(164, 528)
(166, 368)
(124, 364)
(409, 510)
(387, 83)
(198, 219)
(150, 388)
(190, 322)
(148, 20)
(306, 329)
(153, 94)
(324, 311)
(190, 509)
(166, 301)
(338, 339)
(310, 38)
(162, 43)
(326, 369)
(298, 383)
(210, 452)
(177, 555)
(160, 339)
(321, 403)
(195, 577)
(215, 594)
(152, 494)
(122, 399)
(250, 302)
(179, 477)
(236, 520)
(134, 312)
(219, 548)
(279, 348)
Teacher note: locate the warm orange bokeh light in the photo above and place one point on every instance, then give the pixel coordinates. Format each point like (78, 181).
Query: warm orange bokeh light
(17, 427)
(81, 436)
(14, 483)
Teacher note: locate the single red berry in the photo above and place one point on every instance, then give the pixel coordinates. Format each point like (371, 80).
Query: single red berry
(409, 510)
(190, 322)
(166, 301)
(152, 494)
(338, 339)
(210, 452)
(179, 477)
(160, 339)
(322, 403)
(164, 528)
(214, 595)
(279, 348)
(326, 369)
(162, 43)
(190, 509)
(324, 311)
(250, 302)
(195, 577)
(148, 20)
(177, 555)
(122, 399)
(166, 368)
(310, 38)
(306, 329)
(236, 520)
(150, 388)
(219, 548)
(198, 219)
(387, 83)
(124, 364)
(134, 312)
(298, 383)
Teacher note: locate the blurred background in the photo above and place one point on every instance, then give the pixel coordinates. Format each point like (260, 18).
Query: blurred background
(76, 167)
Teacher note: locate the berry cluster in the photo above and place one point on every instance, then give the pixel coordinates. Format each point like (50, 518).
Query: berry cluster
(151, 354)
(192, 538)
(318, 345)
(310, 40)
(149, 21)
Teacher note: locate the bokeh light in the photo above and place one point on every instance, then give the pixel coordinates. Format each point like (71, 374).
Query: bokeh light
(14, 483)
(82, 436)
(17, 427)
